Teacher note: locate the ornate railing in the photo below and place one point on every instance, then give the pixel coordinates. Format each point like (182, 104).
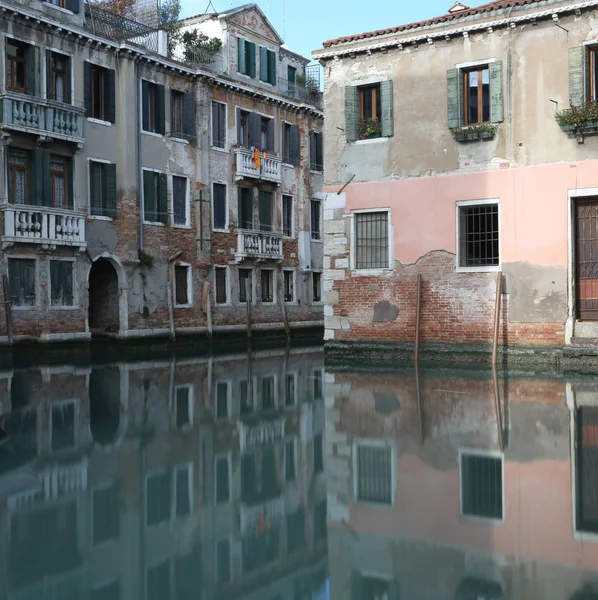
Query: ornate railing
(260, 434)
(259, 244)
(269, 512)
(268, 167)
(199, 58)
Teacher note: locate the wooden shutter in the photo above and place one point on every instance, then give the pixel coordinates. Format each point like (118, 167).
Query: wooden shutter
(35, 178)
(70, 191)
(219, 200)
(160, 109)
(312, 151)
(254, 124)
(386, 106)
(320, 151)
(87, 88)
(67, 84)
(110, 95)
(189, 115)
(265, 211)
(264, 64)
(351, 113)
(33, 71)
(215, 125)
(145, 124)
(294, 145)
(250, 48)
(72, 5)
(270, 136)
(149, 196)
(271, 67)
(163, 199)
(49, 74)
(46, 180)
(577, 75)
(497, 110)
(453, 87)
(110, 190)
(242, 67)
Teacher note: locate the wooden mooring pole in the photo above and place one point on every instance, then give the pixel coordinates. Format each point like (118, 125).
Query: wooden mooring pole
(248, 302)
(497, 407)
(7, 308)
(418, 303)
(496, 317)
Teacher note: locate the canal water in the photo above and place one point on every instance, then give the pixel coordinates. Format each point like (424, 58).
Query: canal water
(265, 476)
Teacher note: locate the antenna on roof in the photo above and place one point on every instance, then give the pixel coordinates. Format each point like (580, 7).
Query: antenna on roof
(208, 8)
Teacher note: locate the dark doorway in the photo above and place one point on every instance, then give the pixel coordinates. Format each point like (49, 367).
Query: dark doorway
(586, 258)
(103, 298)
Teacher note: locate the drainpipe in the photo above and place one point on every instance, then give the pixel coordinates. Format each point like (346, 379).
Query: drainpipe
(169, 292)
(139, 163)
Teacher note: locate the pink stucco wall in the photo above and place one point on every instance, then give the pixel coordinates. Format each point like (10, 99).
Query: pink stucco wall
(533, 209)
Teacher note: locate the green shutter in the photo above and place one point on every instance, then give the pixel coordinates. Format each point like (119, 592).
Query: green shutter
(351, 113)
(145, 124)
(149, 196)
(386, 105)
(110, 95)
(250, 49)
(46, 180)
(160, 110)
(453, 98)
(110, 190)
(72, 5)
(33, 71)
(70, 191)
(577, 69)
(163, 200)
(68, 97)
(242, 67)
(264, 64)
(35, 178)
(271, 67)
(497, 110)
(49, 74)
(265, 211)
(87, 88)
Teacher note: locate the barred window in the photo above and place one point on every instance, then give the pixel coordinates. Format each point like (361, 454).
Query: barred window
(220, 280)
(289, 292)
(374, 476)
(316, 216)
(481, 486)
(478, 236)
(267, 278)
(371, 240)
(61, 283)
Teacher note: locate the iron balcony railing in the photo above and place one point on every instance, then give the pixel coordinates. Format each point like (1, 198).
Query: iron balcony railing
(300, 93)
(253, 435)
(199, 58)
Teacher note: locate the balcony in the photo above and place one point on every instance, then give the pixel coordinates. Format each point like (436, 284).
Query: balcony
(259, 244)
(49, 227)
(262, 433)
(269, 169)
(41, 117)
(267, 512)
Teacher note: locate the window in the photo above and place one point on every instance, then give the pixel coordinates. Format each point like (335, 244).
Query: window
(219, 211)
(268, 66)
(268, 400)
(370, 105)
(222, 400)
(63, 426)
(593, 83)
(374, 476)
(245, 57)
(318, 454)
(182, 285)
(246, 208)
(21, 275)
(290, 144)
(183, 490)
(221, 287)
(152, 104)
(17, 69)
(265, 210)
(102, 189)
(155, 199)
(245, 278)
(267, 277)
(180, 204)
(158, 582)
(18, 176)
(243, 127)
(244, 399)
(478, 233)
(222, 480)
(58, 182)
(183, 406)
(72, 5)
(157, 489)
(176, 113)
(223, 571)
(218, 125)
(291, 77)
(99, 92)
(289, 389)
(106, 514)
(59, 77)
(371, 240)
(289, 287)
(316, 219)
(266, 141)
(476, 86)
(368, 111)
(287, 215)
(481, 486)
(289, 460)
(316, 151)
(253, 129)
(316, 285)
(317, 385)
(61, 283)
(182, 114)
(320, 530)
(110, 591)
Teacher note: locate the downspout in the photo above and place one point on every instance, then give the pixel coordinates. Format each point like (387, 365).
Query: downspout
(170, 293)
(139, 162)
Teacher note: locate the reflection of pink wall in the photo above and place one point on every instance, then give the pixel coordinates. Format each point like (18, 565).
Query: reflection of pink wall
(533, 204)
(538, 513)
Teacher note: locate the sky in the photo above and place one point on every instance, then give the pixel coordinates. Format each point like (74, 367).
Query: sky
(306, 24)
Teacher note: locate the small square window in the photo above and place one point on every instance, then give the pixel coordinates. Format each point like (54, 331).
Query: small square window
(478, 236)
(481, 486)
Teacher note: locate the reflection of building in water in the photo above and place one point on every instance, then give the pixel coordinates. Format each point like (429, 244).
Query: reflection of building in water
(445, 499)
(187, 479)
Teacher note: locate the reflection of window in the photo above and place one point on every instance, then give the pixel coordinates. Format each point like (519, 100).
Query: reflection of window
(157, 489)
(221, 400)
(481, 486)
(183, 490)
(477, 95)
(63, 426)
(289, 460)
(318, 385)
(295, 531)
(268, 393)
(245, 401)
(183, 406)
(367, 587)
(318, 454)
(261, 549)
(587, 469)
(222, 480)
(320, 530)
(110, 591)
(374, 476)
(289, 389)
(158, 582)
(106, 514)
(223, 574)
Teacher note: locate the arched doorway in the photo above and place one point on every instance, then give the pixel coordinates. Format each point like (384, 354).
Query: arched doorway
(104, 299)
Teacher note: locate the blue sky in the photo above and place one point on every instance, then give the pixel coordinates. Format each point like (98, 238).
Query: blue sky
(305, 24)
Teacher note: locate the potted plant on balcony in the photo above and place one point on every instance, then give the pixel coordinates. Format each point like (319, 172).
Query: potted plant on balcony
(479, 131)
(369, 128)
(579, 119)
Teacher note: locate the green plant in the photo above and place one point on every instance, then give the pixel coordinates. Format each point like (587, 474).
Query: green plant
(369, 128)
(197, 42)
(575, 116)
(301, 80)
(146, 260)
(477, 128)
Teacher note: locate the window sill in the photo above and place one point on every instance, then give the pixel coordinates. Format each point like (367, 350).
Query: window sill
(316, 172)
(99, 121)
(370, 141)
(289, 165)
(152, 134)
(59, 8)
(155, 223)
(317, 240)
(25, 308)
(288, 238)
(222, 304)
(317, 303)
(64, 307)
(472, 135)
(218, 149)
(180, 140)
(99, 218)
(492, 269)
(367, 272)
(180, 226)
(183, 305)
(216, 230)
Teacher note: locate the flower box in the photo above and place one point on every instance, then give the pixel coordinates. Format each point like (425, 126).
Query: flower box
(472, 135)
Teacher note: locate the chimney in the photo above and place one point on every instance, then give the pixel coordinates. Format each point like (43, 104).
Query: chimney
(457, 7)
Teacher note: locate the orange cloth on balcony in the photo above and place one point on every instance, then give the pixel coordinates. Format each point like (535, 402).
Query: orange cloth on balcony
(256, 158)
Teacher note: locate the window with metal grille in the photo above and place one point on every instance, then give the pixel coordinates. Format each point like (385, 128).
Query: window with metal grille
(316, 220)
(267, 279)
(374, 476)
(287, 215)
(478, 236)
(179, 201)
(318, 454)
(219, 205)
(218, 124)
(63, 426)
(481, 486)
(289, 460)
(289, 389)
(183, 406)
(371, 240)
(222, 480)
(181, 284)
(21, 275)
(222, 400)
(223, 571)
(106, 514)
(244, 277)
(289, 288)
(221, 287)
(316, 284)
(61, 283)
(158, 499)
(268, 393)
(183, 490)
